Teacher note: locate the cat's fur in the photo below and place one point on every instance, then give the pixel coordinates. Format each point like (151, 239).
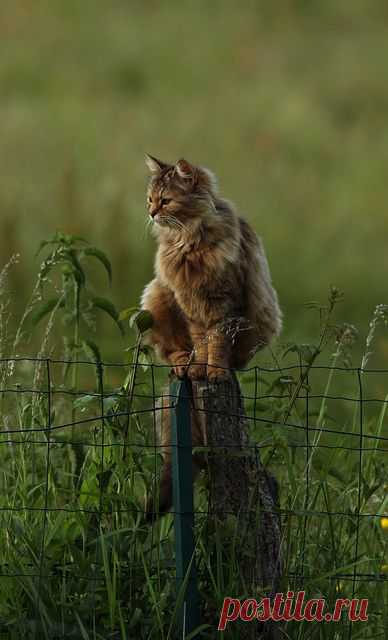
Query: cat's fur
(212, 301)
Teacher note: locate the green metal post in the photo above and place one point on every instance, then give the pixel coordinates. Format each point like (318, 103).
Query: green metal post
(182, 475)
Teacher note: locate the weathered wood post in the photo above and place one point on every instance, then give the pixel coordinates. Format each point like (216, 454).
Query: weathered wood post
(239, 485)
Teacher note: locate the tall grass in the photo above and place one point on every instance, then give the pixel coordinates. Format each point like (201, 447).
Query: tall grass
(78, 454)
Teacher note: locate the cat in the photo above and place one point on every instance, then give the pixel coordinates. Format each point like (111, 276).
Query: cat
(212, 301)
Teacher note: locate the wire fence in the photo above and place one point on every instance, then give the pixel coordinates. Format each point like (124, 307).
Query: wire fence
(79, 453)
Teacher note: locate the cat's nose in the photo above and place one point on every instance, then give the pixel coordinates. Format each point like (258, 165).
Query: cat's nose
(153, 211)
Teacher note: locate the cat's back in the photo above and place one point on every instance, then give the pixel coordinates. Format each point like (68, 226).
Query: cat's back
(252, 252)
(261, 298)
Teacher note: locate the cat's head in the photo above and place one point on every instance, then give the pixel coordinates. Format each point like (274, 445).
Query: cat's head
(179, 196)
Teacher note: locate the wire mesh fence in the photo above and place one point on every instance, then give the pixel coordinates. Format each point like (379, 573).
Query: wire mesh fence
(79, 453)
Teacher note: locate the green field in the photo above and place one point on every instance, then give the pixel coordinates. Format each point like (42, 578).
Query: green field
(287, 104)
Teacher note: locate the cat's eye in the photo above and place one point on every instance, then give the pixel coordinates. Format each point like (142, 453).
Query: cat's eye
(149, 199)
(165, 201)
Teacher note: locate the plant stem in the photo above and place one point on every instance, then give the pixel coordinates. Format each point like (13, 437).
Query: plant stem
(77, 297)
(129, 386)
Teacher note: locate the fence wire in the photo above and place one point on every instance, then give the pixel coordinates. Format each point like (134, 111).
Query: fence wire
(79, 451)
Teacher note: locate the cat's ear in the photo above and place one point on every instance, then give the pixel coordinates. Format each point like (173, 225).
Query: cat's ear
(155, 166)
(184, 169)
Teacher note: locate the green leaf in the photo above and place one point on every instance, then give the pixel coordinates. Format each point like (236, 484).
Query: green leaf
(72, 258)
(102, 257)
(142, 319)
(73, 239)
(67, 238)
(89, 493)
(46, 308)
(57, 238)
(308, 352)
(125, 314)
(60, 238)
(109, 402)
(84, 401)
(43, 244)
(91, 350)
(314, 304)
(106, 305)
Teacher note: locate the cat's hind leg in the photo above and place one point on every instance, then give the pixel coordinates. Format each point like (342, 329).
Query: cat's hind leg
(169, 334)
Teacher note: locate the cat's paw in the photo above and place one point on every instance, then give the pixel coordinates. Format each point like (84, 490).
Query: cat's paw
(196, 371)
(217, 374)
(180, 361)
(180, 370)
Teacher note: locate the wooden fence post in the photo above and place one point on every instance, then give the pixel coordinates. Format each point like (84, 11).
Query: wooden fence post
(240, 486)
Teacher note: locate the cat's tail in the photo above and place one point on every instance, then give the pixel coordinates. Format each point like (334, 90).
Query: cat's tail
(158, 505)
(160, 502)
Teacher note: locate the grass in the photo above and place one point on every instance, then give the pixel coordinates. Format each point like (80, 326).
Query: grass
(78, 454)
(287, 105)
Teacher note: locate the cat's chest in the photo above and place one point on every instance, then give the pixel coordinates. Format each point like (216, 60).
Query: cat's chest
(185, 273)
(179, 266)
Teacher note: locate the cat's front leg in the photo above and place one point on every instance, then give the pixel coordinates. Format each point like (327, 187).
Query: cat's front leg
(180, 361)
(218, 358)
(198, 365)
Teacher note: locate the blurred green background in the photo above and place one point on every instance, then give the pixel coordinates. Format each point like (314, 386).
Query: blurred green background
(286, 101)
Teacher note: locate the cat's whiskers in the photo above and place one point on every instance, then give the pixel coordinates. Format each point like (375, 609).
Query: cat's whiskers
(174, 222)
(147, 225)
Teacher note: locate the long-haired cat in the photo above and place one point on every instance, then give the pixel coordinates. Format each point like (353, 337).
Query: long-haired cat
(212, 301)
